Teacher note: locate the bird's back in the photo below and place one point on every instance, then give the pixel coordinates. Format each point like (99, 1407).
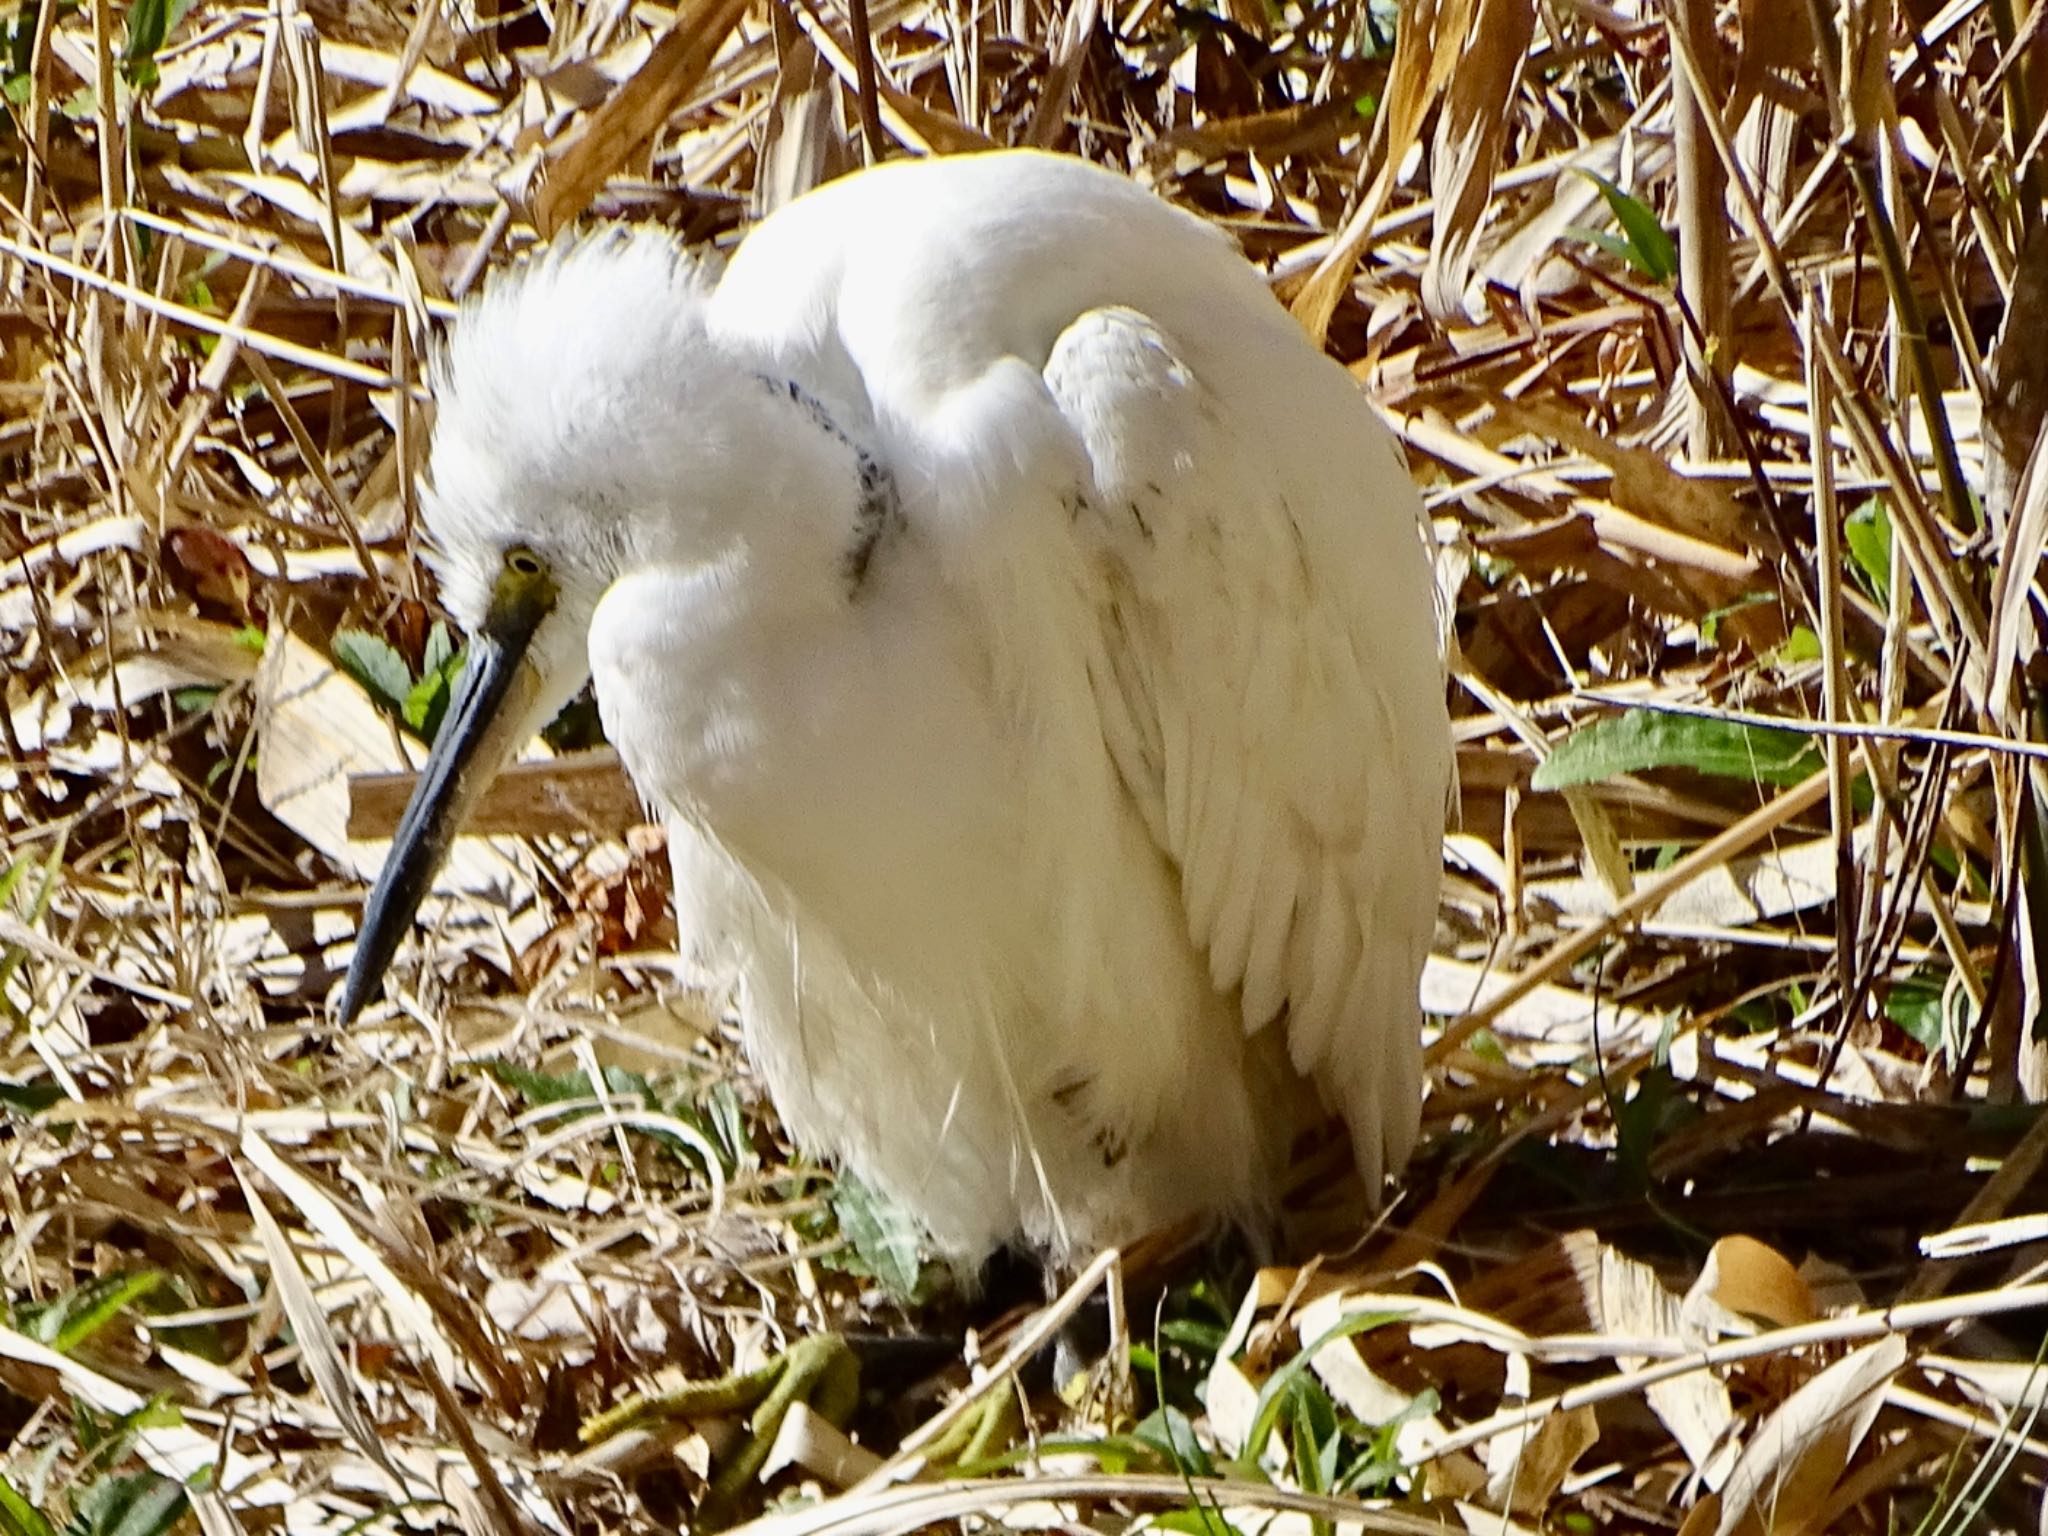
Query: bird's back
(898, 283)
(923, 270)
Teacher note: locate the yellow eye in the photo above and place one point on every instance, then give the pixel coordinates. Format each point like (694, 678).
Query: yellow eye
(524, 592)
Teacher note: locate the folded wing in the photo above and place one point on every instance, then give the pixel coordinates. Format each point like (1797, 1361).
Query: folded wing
(1268, 679)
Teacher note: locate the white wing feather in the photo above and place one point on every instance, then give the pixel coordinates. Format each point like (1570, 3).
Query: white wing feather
(1185, 537)
(1269, 690)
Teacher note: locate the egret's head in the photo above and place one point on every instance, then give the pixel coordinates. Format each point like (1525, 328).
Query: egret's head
(572, 401)
(556, 457)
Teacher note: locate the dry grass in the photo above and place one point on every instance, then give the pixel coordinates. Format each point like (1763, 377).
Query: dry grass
(1731, 1212)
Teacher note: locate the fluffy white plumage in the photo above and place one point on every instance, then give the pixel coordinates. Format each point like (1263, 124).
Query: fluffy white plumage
(1029, 641)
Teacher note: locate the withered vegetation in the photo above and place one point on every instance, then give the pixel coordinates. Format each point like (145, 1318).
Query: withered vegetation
(1716, 338)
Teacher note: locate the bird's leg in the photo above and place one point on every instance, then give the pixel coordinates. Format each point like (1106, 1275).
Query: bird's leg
(1091, 1365)
(821, 1370)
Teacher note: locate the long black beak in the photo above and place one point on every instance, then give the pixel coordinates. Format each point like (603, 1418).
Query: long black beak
(481, 730)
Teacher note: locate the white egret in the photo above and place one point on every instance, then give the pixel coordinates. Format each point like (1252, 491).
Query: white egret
(1028, 639)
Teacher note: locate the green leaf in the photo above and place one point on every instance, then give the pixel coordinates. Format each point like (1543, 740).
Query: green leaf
(29, 1099)
(1915, 1006)
(1800, 647)
(1172, 1435)
(1376, 1469)
(1641, 739)
(1607, 240)
(1114, 1454)
(1273, 1395)
(543, 1088)
(1313, 1435)
(1638, 1123)
(11, 877)
(539, 1087)
(1667, 1032)
(425, 703)
(884, 1238)
(1193, 1335)
(1756, 1015)
(726, 1122)
(69, 1320)
(13, 955)
(148, 22)
(138, 1504)
(1710, 626)
(1868, 533)
(105, 1300)
(1485, 1044)
(372, 661)
(194, 700)
(1198, 1520)
(18, 1517)
(1649, 248)
(441, 650)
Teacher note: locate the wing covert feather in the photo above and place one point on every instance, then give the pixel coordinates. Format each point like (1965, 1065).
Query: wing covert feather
(1269, 685)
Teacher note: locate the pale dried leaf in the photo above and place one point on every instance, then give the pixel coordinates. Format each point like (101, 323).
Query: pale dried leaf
(1471, 132)
(318, 1347)
(1793, 1461)
(1524, 1472)
(1633, 1303)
